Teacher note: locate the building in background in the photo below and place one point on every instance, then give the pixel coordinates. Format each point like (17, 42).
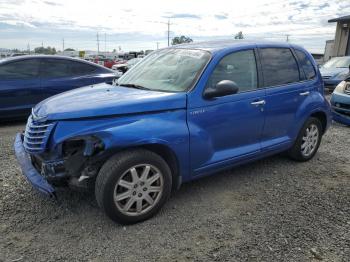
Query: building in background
(342, 36)
(328, 51)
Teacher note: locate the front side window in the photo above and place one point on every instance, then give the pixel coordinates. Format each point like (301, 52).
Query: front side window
(171, 70)
(279, 66)
(306, 65)
(239, 67)
(20, 70)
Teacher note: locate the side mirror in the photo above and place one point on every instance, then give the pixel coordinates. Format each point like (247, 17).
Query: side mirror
(222, 88)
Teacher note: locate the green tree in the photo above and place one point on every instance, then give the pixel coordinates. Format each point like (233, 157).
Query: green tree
(69, 49)
(239, 35)
(180, 40)
(45, 50)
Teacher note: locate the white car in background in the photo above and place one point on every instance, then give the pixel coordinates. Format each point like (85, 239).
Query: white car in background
(126, 66)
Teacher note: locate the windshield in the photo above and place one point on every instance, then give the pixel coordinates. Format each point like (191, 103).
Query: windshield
(172, 70)
(337, 62)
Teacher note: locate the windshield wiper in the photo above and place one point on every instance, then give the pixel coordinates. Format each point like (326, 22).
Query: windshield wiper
(135, 86)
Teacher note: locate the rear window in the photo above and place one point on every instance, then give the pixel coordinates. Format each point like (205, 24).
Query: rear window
(279, 66)
(20, 70)
(306, 65)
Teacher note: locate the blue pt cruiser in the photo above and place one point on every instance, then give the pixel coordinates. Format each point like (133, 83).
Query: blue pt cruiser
(182, 113)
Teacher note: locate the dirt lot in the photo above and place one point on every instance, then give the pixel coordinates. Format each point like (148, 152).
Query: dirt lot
(271, 210)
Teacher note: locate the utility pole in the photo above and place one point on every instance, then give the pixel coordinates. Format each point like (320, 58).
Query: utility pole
(98, 44)
(28, 48)
(287, 38)
(105, 44)
(169, 32)
(168, 24)
(157, 45)
(62, 44)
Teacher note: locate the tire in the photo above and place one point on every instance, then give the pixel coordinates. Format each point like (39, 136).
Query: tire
(298, 150)
(127, 177)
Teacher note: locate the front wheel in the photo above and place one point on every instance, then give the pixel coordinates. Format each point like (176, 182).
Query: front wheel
(308, 140)
(132, 186)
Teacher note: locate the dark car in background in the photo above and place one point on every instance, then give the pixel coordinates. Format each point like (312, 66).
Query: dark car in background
(27, 80)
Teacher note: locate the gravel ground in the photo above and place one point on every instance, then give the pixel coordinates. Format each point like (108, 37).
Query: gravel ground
(271, 210)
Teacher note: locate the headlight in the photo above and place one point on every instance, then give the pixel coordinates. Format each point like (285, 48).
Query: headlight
(340, 87)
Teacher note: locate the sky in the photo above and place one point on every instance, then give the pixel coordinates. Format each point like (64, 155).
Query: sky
(140, 25)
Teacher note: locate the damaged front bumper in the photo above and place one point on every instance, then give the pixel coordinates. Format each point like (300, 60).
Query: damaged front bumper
(28, 170)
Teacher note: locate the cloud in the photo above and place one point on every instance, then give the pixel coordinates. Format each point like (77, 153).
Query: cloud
(320, 7)
(184, 16)
(220, 17)
(52, 3)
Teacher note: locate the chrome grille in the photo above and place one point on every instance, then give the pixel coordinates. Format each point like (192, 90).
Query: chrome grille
(36, 136)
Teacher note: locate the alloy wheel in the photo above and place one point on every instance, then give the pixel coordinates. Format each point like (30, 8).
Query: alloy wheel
(310, 140)
(138, 189)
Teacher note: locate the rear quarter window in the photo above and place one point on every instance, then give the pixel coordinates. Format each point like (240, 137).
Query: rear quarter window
(279, 66)
(306, 65)
(78, 68)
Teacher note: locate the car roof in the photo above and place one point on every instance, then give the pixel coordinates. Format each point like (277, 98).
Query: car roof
(25, 57)
(218, 45)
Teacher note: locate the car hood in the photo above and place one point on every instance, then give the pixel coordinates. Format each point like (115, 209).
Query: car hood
(332, 71)
(106, 100)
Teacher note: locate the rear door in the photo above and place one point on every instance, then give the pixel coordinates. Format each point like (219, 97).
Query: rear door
(19, 87)
(285, 92)
(60, 75)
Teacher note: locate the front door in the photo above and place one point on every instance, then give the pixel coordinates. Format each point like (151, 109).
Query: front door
(19, 87)
(226, 129)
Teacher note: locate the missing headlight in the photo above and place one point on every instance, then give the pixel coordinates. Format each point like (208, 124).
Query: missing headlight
(86, 146)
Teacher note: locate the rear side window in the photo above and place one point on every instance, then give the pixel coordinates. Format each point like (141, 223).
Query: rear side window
(20, 70)
(279, 66)
(239, 67)
(81, 68)
(306, 65)
(52, 68)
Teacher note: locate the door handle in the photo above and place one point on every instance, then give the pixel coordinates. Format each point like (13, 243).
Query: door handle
(304, 93)
(258, 103)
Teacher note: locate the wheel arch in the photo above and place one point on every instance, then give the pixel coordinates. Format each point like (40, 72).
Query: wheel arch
(162, 150)
(170, 157)
(322, 117)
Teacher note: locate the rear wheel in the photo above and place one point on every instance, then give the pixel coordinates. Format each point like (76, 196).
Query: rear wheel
(132, 186)
(308, 140)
